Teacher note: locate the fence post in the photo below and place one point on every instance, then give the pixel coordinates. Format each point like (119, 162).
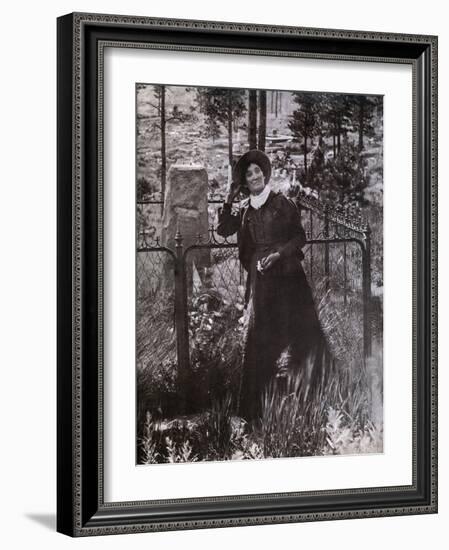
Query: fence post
(345, 253)
(326, 246)
(366, 265)
(311, 246)
(345, 274)
(182, 335)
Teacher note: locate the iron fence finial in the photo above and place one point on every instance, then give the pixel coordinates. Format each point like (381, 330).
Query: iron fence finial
(178, 237)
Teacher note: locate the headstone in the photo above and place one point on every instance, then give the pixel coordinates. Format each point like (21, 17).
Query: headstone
(185, 209)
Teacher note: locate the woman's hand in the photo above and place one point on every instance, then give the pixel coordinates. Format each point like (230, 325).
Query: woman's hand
(269, 261)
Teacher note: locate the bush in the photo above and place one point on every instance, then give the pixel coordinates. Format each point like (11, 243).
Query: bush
(343, 179)
(216, 348)
(145, 187)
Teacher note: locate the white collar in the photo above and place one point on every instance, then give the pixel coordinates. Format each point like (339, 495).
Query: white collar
(257, 201)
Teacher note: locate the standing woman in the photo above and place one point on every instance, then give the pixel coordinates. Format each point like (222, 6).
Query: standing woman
(280, 313)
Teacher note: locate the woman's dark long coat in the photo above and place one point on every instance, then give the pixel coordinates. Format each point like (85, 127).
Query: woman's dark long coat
(280, 311)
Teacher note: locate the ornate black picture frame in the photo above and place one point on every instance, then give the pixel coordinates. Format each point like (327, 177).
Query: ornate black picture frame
(81, 508)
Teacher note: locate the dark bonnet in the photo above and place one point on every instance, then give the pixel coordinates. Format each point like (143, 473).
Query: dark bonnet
(254, 156)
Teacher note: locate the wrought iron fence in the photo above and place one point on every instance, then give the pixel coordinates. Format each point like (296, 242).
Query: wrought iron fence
(184, 294)
(150, 212)
(345, 267)
(155, 306)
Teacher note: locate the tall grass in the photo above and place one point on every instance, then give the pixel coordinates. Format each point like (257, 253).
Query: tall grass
(343, 415)
(282, 411)
(340, 417)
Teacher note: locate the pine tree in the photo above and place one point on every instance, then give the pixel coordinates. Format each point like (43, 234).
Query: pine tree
(221, 106)
(252, 119)
(335, 115)
(160, 93)
(262, 119)
(363, 110)
(305, 120)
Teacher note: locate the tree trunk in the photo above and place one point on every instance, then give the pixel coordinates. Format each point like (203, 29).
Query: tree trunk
(334, 145)
(230, 128)
(305, 155)
(276, 104)
(163, 148)
(262, 119)
(361, 123)
(272, 102)
(252, 119)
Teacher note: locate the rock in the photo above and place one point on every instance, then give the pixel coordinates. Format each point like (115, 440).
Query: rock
(186, 209)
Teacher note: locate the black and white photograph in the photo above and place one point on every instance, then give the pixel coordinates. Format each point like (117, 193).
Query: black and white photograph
(222, 317)
(259, 273)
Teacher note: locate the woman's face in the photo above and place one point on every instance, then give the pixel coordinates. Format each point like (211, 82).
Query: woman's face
(255, 179)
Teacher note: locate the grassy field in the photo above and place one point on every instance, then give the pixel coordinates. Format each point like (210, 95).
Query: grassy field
(344, 417)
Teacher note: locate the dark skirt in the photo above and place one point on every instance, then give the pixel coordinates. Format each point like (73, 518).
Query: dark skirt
(281, 324)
